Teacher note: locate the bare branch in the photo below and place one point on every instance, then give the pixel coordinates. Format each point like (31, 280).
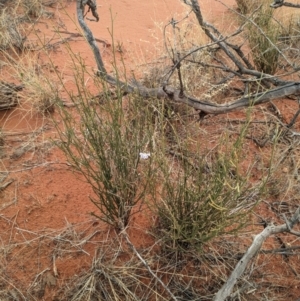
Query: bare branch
(286, 88)
(279, 3)
(259, 239)
(91, 40)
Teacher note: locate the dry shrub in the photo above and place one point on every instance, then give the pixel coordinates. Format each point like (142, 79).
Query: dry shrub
(263, 39)
(246, 6)
(33, 8)
(40, 86)
(36, 8)
(10, 33)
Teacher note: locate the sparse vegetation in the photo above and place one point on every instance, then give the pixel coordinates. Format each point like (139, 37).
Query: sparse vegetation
(10, 31)
(245, 7)
(202, 185)
(202, 199)
(105, 146)
(263, 34)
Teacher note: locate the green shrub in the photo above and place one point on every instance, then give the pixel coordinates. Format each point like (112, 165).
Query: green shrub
(202, 200)
(104, 144)
(263, 39)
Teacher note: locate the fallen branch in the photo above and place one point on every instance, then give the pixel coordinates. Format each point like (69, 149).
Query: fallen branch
(279, 3)
(284, 88)
(259, 239)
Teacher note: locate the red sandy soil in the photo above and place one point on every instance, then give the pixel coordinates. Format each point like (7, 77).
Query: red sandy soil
(46, 196)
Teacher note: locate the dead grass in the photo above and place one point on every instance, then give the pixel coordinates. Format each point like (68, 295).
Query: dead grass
(246, 7)
(10, 32)
(114, 273)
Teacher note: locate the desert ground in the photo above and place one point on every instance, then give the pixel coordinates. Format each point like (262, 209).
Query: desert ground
(52, 244)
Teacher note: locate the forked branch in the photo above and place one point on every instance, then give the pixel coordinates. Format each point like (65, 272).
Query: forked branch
(282, 89)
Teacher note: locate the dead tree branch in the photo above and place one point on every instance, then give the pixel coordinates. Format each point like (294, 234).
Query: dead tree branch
(259, 239)
(279, 3)
(234, 53)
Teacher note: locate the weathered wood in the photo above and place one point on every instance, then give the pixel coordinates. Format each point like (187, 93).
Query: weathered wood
(283, 89)
(259, 239)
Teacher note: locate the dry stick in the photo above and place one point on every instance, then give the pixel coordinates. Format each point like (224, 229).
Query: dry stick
(144, 262)
(175, 94)
(259, 239)
(76, 34)
(279, 3)
(5, 185)
(92, 42)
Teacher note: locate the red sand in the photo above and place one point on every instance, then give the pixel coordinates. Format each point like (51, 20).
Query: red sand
(50, 195)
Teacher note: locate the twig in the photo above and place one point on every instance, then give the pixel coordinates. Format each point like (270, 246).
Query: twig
(54, 266)
(79, 35)
(5, 185)
(288, 250)
(35, 166)
(38, 275)
(144, 262)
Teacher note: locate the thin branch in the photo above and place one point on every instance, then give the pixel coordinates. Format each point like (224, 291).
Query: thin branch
(92, 42)
(144, 262)
(256, 245)
(279, 3)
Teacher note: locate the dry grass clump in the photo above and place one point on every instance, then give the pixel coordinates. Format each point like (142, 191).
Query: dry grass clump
(40, 86)
(36, 8)
(273, 34)
(13, 16)
(10, 32)
(263, 37)
(32, 8)
(42, 95)
(115, 275)
(186, 43)
(246, 7)
(289, 39)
